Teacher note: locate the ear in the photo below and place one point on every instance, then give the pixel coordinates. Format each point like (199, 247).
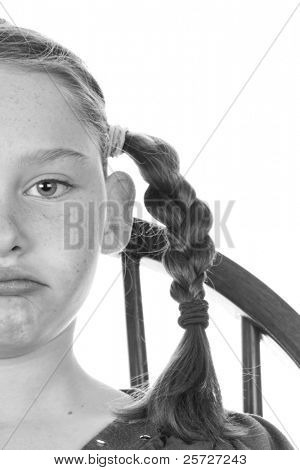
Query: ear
(120, 200)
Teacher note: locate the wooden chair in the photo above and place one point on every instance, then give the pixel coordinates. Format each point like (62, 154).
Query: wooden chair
(264, 312)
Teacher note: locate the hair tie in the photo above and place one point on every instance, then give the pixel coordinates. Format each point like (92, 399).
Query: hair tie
(117, 136)
(194, 312)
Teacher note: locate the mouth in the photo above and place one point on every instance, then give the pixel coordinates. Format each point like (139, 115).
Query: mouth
(18, 286)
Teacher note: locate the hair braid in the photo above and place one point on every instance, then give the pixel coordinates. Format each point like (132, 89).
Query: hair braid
(186, 399)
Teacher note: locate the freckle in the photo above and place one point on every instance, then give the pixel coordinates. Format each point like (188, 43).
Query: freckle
(70, 412)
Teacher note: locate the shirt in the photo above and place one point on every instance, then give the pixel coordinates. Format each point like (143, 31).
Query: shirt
(139, 435)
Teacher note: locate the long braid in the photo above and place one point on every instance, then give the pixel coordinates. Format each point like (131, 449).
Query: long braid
(185, 400)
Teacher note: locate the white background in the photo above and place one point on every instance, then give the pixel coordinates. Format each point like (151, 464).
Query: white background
(173, 69)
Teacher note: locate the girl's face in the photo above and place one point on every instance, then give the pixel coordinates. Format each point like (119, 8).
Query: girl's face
(34, 233)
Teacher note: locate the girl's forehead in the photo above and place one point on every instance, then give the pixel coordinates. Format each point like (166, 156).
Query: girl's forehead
(35, 111)
(22, 86)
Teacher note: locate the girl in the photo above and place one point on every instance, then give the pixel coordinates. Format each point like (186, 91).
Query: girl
(54, 147)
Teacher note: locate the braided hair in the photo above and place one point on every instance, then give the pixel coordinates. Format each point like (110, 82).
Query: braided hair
(185, 400)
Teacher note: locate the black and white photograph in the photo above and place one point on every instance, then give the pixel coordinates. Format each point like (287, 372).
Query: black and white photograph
(149, 298)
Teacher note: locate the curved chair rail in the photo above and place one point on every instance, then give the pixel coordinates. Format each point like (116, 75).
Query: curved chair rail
(263, 311)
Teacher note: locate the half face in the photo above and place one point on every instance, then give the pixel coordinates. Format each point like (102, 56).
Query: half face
(41, 195)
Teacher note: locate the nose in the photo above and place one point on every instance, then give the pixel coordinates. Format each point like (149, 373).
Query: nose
(9, 238)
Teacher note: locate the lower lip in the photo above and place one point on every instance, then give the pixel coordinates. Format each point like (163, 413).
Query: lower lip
(18, 286)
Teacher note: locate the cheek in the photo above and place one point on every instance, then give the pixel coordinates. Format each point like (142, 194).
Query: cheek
(76, 265)
(70, 274)
(70, 242)
(67, 266)
(73, 226)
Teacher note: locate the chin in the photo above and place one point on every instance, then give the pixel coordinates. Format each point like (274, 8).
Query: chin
(17, 339)
(20, 325)
(15, 350)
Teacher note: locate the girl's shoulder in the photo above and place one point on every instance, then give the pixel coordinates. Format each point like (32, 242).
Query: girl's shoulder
(261, 435)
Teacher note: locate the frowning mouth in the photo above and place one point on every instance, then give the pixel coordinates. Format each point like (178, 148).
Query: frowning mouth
(18, 286)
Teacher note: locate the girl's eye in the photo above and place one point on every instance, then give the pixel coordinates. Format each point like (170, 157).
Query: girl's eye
(47, 188)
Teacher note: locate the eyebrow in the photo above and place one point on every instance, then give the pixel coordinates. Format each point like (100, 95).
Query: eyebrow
(43, 156)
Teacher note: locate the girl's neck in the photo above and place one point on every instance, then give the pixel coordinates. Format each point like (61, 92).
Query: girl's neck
(47, 380)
